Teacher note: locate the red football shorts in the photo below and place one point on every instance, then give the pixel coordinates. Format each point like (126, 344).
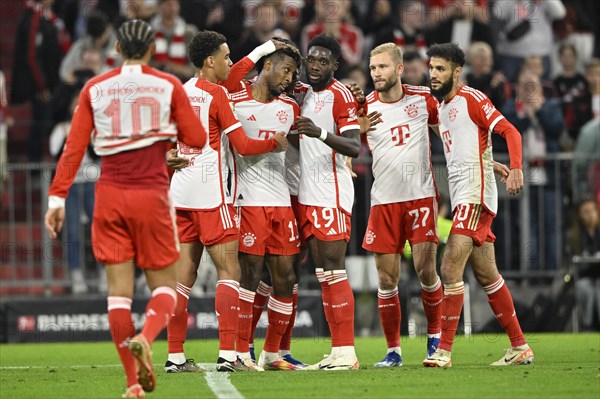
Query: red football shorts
(390, 225)
(296, 209)
(268, 230)
(325, 224)
(475, 221)
(210, 227)
(136, 224)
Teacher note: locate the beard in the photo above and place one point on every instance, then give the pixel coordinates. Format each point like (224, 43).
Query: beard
(445, 88)
(275, 90)
(388, 85)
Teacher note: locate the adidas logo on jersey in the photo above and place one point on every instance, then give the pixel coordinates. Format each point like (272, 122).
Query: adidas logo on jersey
(331, 232)
(429, 233)
(460, 225)
(251, 118)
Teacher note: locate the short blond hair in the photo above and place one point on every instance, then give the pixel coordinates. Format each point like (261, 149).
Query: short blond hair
(478, 47)
(390, 48)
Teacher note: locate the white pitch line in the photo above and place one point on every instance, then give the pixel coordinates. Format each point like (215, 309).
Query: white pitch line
(221, 386)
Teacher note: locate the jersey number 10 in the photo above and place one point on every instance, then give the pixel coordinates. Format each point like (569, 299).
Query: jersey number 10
(114, 111)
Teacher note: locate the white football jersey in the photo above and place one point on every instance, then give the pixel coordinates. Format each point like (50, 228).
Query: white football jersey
(324, 178)
(261, 179)
(132, 109)
(292, 169)
(203, 184)
(467, 122)
(401, 148)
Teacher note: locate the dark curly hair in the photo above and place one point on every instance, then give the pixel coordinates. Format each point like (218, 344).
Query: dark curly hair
(135, 37)
(448, 51)
(327, 41)
(203, 45)
(278, 55)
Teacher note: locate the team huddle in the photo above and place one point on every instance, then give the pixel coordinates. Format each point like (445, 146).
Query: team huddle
(260, 176)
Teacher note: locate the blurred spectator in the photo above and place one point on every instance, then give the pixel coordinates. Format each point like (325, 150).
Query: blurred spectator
(580, 27)
(535, 64)
(357, 74)
(407, 28)
(541, 123)
(526, 29)
(573, 89)
(462, 28)
(90, 65)
(440, 11)
(120, 11)
(6, 121)
(79, 201)
(333, 18)
(138, 9)
(38, 51)
(379, 13)
(584, 240)
(223, 16)
(592, 73)
(262, 23)
(415, 72)
(74, 14)
(100, 37)
(480, 59)
(291, 17)
(172, 36)
(586, 161)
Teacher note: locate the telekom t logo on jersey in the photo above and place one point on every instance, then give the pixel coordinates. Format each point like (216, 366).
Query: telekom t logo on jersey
(447, 139)
(266, 133)
(400, 134)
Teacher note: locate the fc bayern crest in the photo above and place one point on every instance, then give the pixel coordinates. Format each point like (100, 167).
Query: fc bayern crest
(412, 110)
(319, 106)
(248, 239)
(370, 237)
(283, 116)
(452, 114)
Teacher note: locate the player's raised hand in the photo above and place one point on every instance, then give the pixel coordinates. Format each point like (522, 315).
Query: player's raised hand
(307, 127)
(54, 221)
(514, 181)
(174, 162)
(501, 170)
(281, 142)
(357, 92)
(368, 122)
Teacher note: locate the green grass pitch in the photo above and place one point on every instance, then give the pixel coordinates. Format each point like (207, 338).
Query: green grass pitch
(566, 366)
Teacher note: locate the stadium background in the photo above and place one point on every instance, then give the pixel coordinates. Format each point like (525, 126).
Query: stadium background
(535, 249)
